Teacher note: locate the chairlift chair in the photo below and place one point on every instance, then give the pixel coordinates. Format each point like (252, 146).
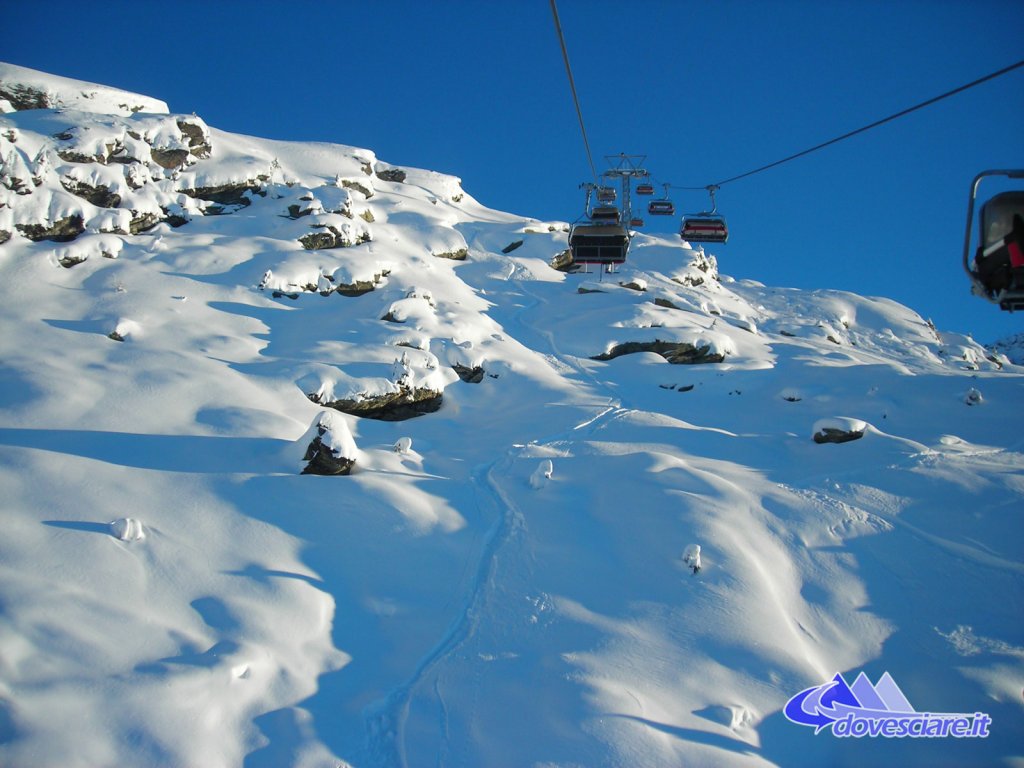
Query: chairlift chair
(645, 189)
(605, 214)
(606, 194)
(997, 270)
(704, 229)
(706, 226)
(636, 221)
(598, 243)
(662, 206)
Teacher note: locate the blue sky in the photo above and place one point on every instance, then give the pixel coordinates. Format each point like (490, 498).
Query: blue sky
(707, 90)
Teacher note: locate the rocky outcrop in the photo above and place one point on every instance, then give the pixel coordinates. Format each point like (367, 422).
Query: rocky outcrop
(24, 96)
(328, 236)
(678, 353)
(236, 193)
(359, 287)
(459, 254)
(833, 435)
(99, 195)
(198, 138)
(838, 430)
(169, 158)
(563, 262)
(469, 374)
(396, 175)
(60, 231)
(363, 188)
(405, 403)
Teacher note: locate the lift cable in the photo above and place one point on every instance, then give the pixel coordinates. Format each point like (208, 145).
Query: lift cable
(875, 124)
(572, 87)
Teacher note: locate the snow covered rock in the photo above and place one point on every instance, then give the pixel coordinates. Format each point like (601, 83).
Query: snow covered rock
(973, 397)
(127, 529)
(403, 445)
(331, 449)
(691, 556)
(405, 402)
(469, 374)
(681, 352)
(389, 173)
(838, 429)
(542, 474)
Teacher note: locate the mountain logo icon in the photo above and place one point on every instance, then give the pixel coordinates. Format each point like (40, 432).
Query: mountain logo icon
(876, 709)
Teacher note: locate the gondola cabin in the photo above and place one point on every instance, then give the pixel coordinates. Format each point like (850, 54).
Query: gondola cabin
(645, 189)
(598, 243)
(704, 229)
(661, 208)
(998, 268)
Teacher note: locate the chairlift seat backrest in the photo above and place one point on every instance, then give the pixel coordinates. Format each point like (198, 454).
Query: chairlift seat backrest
(997, 216)
(605, 214)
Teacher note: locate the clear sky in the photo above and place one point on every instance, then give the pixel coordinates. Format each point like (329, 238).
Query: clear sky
(707, 90)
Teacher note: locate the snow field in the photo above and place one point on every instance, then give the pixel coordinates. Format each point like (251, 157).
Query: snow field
(502, 581)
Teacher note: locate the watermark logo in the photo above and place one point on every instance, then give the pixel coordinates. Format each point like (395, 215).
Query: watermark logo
(879, 709)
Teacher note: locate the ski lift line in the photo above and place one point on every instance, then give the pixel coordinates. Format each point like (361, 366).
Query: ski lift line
(572, 87)
(875, 124)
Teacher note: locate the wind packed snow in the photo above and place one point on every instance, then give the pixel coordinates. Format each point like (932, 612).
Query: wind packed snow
(525, 587)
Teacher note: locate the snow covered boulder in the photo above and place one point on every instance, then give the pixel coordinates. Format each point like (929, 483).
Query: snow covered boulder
(542, 474)
(330, 447)
(691, 557)
(704, 350)
(838, 429)
(390, 173)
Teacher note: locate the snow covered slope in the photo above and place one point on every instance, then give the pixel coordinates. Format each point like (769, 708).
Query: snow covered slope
(500, 580)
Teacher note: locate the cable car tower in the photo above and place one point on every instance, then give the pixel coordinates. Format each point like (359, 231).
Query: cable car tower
(604, 237)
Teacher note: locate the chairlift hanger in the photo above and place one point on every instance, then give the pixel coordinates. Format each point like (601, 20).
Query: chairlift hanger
(662, 206)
